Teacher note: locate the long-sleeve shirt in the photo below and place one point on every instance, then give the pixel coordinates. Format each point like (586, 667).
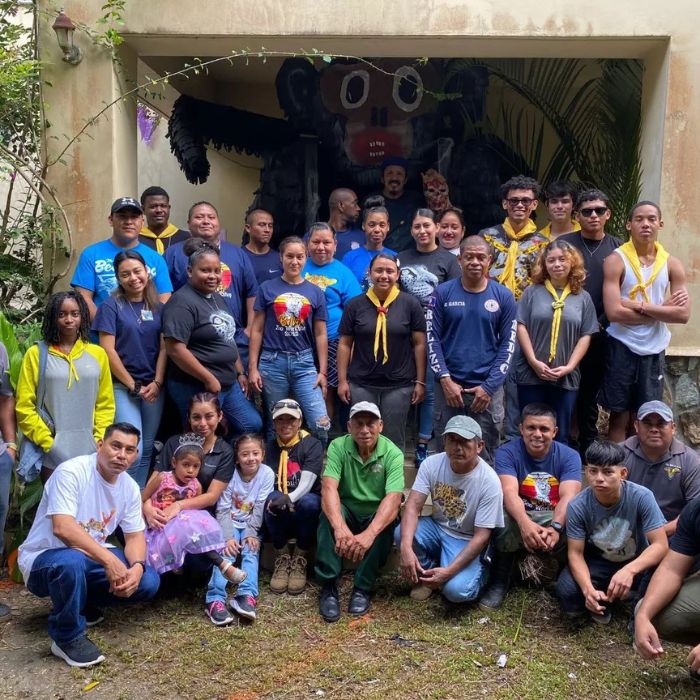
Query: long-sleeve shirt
(471, 335)
(242, 503)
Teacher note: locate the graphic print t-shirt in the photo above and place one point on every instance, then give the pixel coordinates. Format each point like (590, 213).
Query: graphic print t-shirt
(421, 273)
(290, 310)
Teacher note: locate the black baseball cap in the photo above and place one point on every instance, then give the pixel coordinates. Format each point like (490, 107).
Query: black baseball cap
(126, 203)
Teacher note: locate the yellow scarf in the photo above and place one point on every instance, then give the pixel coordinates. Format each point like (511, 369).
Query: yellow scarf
(660, 261)
(558, 306)
(547, 230)
(381, 320)
(170, 230)
(284, 459)
(507, 277)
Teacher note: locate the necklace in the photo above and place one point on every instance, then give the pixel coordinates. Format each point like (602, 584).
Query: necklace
(595, 250)
(211, 302)
(133, 311)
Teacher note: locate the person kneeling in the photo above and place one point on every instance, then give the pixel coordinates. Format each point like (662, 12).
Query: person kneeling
(444, 550)
(615, 532)
(66, 556)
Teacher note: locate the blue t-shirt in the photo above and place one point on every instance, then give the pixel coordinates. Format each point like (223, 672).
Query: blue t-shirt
(358, 261)
(136, 332)
(338, 284)
(238, 281)
(617, 533)
(471, 335)
(290, 311)
(349, 240)
(538, 479)
(266, 266)
(95, 269)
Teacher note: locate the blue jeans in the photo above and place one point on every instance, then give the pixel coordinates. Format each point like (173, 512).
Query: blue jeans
(239, 411)
(426, 408)
(301, 523)
(73, 580)
(216, 590)
(146, 417)
(6, 467)
(561, 401)
(287, 374)
(434, 547)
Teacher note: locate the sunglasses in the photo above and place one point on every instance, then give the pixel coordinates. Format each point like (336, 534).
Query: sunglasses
(525, 201)
(588, 211)
(287, 404)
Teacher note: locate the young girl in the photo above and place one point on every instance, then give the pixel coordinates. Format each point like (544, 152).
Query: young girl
(186, 531)
(240, 515)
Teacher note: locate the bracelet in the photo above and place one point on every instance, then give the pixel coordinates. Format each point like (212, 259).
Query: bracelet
(157, 383)
(418, 381)
(324, 374)
(143, 565)
(11, 444)
(135, 391)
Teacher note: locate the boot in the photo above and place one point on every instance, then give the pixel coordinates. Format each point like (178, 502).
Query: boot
(280, 576)
(297, 573)
(501, 569)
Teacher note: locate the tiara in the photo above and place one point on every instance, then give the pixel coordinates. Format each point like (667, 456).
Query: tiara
(189, 440)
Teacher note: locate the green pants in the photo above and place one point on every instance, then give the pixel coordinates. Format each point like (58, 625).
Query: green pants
(329, 565)
(679, 621)
(507, 539)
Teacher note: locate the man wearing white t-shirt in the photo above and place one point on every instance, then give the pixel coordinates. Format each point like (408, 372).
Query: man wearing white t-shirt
(444, 550)
(66, 555)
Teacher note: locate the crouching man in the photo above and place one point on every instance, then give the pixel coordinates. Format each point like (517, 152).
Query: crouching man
(444, 550)
(66, 555)
(615, 533)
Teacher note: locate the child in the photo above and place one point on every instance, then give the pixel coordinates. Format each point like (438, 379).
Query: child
(240, 513)
(615, 532)
(187, 531)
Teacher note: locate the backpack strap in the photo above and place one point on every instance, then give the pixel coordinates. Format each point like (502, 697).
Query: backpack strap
(41, 384)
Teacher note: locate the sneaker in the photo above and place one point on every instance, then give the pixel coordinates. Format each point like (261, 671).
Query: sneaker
(93, 615)
(232, 573)
(80, 653)
(297, 573)
(421, 453)
(420, 593)
(5, 610)
(244, 605)
(218, 613)
(280, 576)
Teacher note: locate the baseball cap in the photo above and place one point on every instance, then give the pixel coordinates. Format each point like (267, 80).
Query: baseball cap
(287, 407)
(126, 203)
(464, 426)
(365, 407)
(658, 407)
(393, 160)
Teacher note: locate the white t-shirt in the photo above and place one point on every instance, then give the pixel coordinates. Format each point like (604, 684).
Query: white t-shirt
(461, 502)
(77, 489)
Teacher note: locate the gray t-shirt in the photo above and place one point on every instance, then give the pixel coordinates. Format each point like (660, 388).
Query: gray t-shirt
(618, 533)
(422, 272)
(461, 502)
(535, 312)
(5, 386)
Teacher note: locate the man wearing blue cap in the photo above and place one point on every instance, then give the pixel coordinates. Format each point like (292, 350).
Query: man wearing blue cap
(655, 458)
(444, 550)
(94, 274)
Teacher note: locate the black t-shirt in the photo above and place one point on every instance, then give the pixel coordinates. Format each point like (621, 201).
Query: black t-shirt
(421, 273)
(205, 325)
(687, 538)
(593, 254)
(305, 456)
(404, 316)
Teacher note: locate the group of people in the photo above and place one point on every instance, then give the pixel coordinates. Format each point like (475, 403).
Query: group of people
(184, 391)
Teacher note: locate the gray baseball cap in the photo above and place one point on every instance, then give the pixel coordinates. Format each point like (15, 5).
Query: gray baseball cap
(464, 426)
(658, 407)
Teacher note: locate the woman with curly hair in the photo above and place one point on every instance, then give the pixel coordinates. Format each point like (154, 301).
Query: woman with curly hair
(556, 319)
(77, 402)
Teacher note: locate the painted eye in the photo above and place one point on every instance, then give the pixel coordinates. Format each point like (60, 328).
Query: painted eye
(408, 88)
(354, 89)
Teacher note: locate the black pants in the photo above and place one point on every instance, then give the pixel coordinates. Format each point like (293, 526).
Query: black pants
(592, 371)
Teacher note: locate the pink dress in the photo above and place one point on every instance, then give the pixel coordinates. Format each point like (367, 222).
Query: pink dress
(190, 532)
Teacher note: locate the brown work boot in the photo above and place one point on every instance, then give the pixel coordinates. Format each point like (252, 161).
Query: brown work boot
(280, 576)
(297, 573)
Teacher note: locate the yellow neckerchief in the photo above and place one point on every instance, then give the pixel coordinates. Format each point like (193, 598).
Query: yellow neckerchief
(381, 320)
(558, 306)
(547, 230)
(507, 277)
(630, 252)
(284, 458)
(169, 231)
(76, 351)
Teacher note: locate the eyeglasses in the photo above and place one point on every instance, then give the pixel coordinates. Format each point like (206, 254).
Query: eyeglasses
(588, 211)
(525, 201)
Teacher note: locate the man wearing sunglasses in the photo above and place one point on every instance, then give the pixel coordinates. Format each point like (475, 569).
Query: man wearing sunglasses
(595, 245)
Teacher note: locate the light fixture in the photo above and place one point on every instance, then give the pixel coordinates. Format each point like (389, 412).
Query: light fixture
(64, 28)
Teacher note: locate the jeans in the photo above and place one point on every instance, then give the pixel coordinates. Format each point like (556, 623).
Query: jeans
(561, 401)
(435, 547)
(394, 405)
(146, 417)
(216, 590)
(73, 580)
(239, 411)
(426, 408)
(301, 523)
(287, 374)
(6, 467)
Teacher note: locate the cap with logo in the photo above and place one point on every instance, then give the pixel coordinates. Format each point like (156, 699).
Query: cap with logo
(287, 407)
(365, 407)
(658, 407)
(464, 426)
(126, 203)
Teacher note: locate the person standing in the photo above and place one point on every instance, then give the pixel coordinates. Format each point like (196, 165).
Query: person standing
(344, 210)
(560, 200)
(158, 233)
(8, 448)
(259, 226)
(451, 229)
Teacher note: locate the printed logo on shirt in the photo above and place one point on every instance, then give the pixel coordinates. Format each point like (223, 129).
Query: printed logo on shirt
(539, 491)
(354, 245)
(376, 468)
(492, 305)
(418, 281)
(320, 281)
(449, 500)
(224, 325)
(291, 310)
(614, 538)
(671, 471)
(226, 280)
(97, 529)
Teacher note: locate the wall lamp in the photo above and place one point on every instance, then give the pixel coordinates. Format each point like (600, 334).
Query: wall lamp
(64, 28)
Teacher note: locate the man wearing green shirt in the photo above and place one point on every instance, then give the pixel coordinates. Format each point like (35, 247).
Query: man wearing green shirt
(360, 498)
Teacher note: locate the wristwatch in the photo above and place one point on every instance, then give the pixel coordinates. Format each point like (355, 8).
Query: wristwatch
(557, 527)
